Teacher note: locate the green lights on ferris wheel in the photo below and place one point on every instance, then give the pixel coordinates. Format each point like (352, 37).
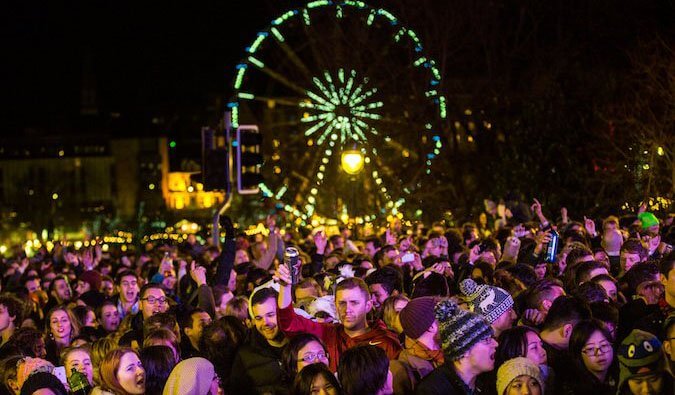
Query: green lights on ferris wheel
(340, 108)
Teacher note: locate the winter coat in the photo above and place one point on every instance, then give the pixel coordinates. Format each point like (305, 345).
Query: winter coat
(257, 368)
(444, 381)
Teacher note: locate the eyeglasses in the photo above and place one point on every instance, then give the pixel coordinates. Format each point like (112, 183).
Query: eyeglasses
(153, 300)
(593, 351)
(311, 357)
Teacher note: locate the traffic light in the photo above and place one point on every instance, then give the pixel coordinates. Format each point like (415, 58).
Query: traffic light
(216, 170)
(215, 174)
(249, 159)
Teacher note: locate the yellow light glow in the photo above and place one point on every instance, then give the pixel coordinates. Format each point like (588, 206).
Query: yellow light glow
(660, 151)
(3, 249)
(190, 189)
(55, 196)
(352, 162)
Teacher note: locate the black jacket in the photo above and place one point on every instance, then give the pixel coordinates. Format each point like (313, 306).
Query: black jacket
(257, 368)
(444, 381)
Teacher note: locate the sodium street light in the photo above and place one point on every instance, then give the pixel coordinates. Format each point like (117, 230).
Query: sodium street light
(352, 161)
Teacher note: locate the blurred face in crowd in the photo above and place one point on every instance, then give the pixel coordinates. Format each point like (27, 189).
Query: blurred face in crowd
(82, 287)
(535, 348)
(80, 360)
(62, 290)
(378, 295)
(265, 319)
(597, 353)
(505, 321)
(628, 260)
(646, 385)
(602, 257)
(226, 297)
(352, 307)
(131, 374)
(153, 302)
(321, 386)
(6, 321)
(110, 318)
(370, 249)
(540, 270)
(669, 284)
(60, 326)
(610, 289)
(108, 288)
(241, 257)
(128, 289)
(312, 352)
(523, 384)
(199, 321)
(33, 285)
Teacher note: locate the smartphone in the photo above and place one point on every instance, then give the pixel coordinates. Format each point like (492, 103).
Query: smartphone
(408, 257)
(60, 373)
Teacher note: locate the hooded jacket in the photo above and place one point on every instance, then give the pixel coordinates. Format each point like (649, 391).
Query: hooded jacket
(334, 336)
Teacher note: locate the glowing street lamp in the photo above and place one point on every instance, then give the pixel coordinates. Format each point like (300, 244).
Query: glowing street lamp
(352, 161)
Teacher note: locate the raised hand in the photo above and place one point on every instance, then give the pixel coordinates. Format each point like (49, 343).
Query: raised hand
(320, 241)
(589, 224)
(282, 275)
(198, 274)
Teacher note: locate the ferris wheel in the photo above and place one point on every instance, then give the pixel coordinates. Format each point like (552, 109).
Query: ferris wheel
(341, 81)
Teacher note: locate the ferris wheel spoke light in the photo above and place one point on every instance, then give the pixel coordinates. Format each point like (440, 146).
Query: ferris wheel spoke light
(315, 127)
(277, 34)
(305, 17)
(399, 34)
(256, 62)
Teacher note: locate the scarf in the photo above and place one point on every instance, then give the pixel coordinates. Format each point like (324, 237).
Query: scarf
(421, 351)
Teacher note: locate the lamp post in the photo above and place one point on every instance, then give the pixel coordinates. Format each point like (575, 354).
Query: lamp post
(352, 162)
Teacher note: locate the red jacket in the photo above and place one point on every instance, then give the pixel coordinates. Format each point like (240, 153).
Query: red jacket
(334, 336)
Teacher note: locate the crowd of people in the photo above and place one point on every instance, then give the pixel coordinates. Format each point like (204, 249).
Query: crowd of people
(514, 303)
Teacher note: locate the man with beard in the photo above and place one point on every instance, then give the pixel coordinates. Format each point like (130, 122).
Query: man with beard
(257, 366)
(352, 303)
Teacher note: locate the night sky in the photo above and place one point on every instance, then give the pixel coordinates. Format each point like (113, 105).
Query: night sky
(167, 59)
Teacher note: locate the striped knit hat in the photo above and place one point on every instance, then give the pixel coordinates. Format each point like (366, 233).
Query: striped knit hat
(488, 301)
(460, 330)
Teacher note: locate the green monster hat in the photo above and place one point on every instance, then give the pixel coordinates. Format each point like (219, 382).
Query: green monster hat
(648, 219)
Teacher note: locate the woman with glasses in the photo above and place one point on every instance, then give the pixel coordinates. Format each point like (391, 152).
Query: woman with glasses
(303, 350)
(594, 371)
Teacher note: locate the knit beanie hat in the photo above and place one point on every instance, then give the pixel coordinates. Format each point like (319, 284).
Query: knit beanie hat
(648, 219)
(192, 376)
(42, 380)
(515, 367)
(417, 316)
(488, 301)
(639, 354)
(460, 330)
